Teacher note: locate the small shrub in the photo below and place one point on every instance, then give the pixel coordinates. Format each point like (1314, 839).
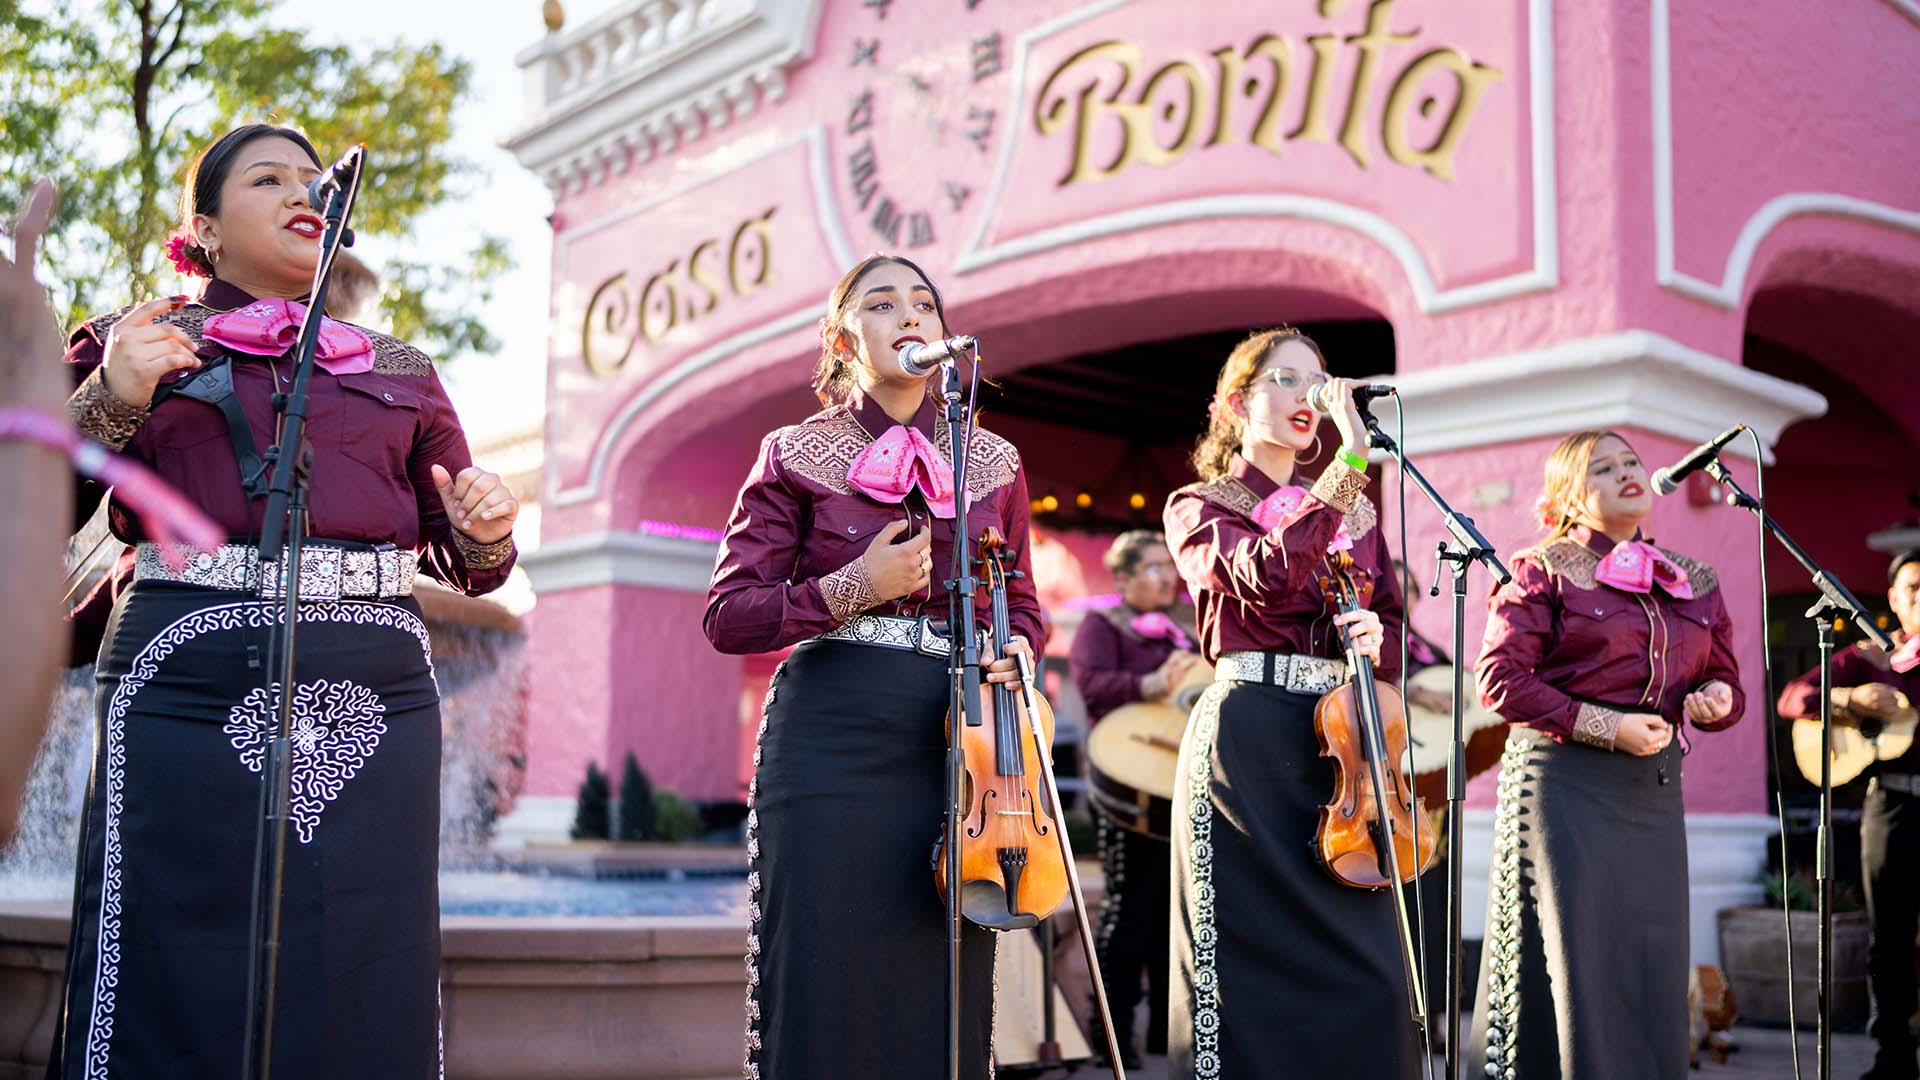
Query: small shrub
(590, 821)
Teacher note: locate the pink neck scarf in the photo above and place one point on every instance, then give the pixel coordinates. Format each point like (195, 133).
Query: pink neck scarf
(1156, 624)
(897, 462)
(1286, 506)
(1636, 567)
(1906, 656)
(270, 327)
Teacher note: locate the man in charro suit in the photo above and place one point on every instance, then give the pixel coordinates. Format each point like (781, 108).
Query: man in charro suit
(1872, 687)
(1137, 650)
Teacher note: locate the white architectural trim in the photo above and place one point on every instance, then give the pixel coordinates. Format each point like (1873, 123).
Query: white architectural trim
(1731, 288)
(665, 381)
(1725, 855)
(620, 558)
(1632, 378)
(1545, 273)
(649, 76)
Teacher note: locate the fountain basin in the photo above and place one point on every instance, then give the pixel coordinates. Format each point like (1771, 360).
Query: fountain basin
(560, 997)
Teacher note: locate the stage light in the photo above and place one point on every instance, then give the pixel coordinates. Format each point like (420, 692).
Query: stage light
(1083, 500)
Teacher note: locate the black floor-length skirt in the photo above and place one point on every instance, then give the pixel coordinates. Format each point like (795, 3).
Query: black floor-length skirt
(156, 980)
(1279, 972)
(1584, 972)
(847, 951)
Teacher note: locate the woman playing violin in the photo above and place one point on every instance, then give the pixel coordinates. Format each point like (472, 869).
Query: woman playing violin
(1278, 969)
(1597, 652)
(838, 546)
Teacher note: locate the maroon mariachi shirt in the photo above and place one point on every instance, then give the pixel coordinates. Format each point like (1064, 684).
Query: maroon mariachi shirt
(1567, 655)
(791, 564)
(1856, 665)
(1110, 659)
(375, 436)
(1260, 588)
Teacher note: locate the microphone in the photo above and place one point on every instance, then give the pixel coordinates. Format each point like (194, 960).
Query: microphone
(921, 357)
(1317, 395)
(337, 176)
(1667, 481)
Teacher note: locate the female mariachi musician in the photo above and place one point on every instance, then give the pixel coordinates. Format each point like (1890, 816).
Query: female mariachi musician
(157, 975)
(838, 546)
(1277, 967)
(1596, 652)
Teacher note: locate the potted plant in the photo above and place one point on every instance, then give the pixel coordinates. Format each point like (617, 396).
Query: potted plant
(1754, 952)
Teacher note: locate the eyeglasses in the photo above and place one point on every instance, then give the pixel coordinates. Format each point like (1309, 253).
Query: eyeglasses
(1291, 381)
(1164, 569)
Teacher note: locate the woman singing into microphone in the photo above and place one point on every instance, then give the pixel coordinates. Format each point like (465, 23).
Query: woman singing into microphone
(838, 546)
(157, 972)
(1597, 652)
(1278, 969)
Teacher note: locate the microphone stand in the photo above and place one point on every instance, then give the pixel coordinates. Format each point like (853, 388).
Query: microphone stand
(963, 668)
(1834, 600)
(1468, 547)
(282, 534)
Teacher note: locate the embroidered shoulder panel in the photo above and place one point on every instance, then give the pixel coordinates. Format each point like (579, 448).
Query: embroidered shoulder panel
(822, 447)
(189, 318)
(994, 462)
(1702, 577)
(1566, 558)
(1227, 492)
(391, 356)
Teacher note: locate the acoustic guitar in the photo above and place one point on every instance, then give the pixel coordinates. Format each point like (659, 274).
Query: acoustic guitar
(1428, 732)
(1853, 748)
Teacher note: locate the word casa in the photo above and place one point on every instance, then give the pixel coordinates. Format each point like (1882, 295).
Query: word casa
(1184, 103)
(681, 292)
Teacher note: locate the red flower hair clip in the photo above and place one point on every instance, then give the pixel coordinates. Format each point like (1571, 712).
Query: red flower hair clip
(176, 249)
(1544, 509)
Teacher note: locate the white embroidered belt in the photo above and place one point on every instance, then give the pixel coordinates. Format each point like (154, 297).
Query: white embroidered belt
(326, 572)
(1290, 671)
(906, 633)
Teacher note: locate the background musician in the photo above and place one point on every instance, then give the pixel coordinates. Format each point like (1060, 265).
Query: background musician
(1865, 682)
(1138, 650)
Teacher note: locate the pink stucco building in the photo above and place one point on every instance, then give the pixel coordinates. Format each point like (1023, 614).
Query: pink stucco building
(1537, 216)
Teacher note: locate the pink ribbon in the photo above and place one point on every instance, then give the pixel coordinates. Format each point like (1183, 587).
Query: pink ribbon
(270, 327)
(1156, 624)
(1637, 566)
(1907, 656)
(1286, 506)
(897, 462)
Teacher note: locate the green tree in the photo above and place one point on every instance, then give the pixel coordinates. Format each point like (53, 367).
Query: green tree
(590, 813)
(636, 816)
(112, 97)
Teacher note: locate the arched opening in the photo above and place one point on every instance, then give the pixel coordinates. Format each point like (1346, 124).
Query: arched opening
(1847, 486)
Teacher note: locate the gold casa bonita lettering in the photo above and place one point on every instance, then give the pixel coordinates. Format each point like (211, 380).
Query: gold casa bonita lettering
(1168, 115)
(681, 292)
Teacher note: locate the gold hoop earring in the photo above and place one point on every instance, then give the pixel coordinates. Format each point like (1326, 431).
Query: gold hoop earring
(1298, 460)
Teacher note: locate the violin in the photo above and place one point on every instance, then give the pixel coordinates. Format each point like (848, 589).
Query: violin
(1012, 871)
(1351, 839)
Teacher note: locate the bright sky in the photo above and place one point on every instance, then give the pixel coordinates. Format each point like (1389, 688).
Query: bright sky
(503, 393)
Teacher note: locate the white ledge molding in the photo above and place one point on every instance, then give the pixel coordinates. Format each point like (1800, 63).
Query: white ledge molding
(1633, 378)
(620, 558)
(647, 76)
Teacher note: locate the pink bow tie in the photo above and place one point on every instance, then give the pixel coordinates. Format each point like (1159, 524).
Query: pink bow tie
(1156, 624)
(1286, 506)
(897, 462)
(1907, 656)
(1637, 566)
(270, 327)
